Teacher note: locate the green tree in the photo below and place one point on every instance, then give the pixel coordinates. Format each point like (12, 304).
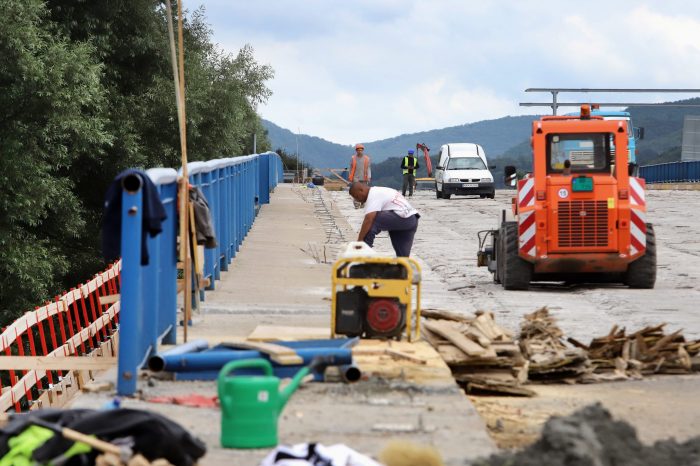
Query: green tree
(87, 91)
(222, 92)
(51, 108)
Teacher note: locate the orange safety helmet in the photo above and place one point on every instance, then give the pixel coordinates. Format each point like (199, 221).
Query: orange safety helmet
(359, 146)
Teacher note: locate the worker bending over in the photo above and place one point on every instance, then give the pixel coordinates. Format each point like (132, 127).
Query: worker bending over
(409, 165)
(386, 210)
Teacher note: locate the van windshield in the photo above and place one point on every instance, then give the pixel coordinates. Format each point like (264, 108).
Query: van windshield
(466, 163)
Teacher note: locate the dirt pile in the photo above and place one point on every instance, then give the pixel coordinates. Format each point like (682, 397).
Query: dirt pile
(591, 437)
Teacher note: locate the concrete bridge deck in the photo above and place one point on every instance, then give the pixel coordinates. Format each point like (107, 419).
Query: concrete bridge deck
(281, 276)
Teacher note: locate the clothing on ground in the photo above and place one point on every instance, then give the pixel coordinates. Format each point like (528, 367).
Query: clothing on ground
(153, 215)
(401, 231)
(383, 199)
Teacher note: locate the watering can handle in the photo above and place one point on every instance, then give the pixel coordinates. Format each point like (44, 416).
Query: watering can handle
(258, 363)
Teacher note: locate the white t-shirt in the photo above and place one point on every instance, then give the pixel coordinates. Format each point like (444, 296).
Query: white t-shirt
(381, 199)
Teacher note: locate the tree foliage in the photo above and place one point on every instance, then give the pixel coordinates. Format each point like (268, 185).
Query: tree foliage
(87, 91)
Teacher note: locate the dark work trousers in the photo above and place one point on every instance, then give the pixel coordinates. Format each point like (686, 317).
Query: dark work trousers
(401, 231)
(409, 179)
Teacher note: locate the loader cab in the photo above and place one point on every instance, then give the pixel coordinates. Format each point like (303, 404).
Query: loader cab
(569, 154)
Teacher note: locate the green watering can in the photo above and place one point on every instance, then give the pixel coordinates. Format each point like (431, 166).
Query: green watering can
(250, 405)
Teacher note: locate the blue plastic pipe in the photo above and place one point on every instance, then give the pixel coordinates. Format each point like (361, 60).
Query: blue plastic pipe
(217, 357)
(156, 362)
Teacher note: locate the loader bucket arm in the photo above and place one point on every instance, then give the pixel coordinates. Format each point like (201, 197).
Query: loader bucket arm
(426, 155)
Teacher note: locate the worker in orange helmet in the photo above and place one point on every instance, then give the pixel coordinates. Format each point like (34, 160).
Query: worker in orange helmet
(360, 169)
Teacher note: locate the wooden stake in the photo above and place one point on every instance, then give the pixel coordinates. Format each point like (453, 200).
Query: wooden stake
(179, 78)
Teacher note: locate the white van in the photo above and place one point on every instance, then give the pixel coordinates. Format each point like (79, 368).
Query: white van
(462, 169)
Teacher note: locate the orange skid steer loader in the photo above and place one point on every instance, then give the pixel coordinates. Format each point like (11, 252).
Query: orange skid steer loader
(580, 216)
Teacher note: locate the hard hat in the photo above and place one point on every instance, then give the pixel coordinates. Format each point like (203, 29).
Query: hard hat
(359, 146)
(410, 151)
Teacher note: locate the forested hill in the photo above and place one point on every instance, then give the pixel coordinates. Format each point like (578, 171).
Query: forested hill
(496, 136)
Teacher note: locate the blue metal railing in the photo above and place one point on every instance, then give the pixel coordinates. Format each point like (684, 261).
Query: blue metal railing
(672, 172)
(235, 189)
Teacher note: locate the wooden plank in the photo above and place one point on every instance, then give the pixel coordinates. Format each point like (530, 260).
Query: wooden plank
(469, 347)
(52, 363)
(402, 355)
(434, 339)
(109, 299)
(280, 332)
(278, 353)
(444, 315)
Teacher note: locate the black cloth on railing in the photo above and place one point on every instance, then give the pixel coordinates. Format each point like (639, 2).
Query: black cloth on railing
(153, 215)
(203, 224)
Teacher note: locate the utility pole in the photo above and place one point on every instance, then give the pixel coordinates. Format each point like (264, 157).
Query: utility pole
(255, 143)
(296, 137)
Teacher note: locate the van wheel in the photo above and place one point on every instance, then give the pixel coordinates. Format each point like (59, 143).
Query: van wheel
(517, 272)
(446, 196)
(492, 195)
(437, 193)
(642, 272)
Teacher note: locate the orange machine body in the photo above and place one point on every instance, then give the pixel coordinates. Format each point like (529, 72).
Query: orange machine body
(563, 229)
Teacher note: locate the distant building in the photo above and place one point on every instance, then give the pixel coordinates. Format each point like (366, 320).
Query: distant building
(691, 138)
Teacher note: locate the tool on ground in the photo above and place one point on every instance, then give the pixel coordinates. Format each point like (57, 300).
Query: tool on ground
(122, 452)
(251, 405)
(580, 215)
(375, 296)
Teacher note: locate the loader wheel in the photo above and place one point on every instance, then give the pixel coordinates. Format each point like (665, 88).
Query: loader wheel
(642, 272)
(516, 272)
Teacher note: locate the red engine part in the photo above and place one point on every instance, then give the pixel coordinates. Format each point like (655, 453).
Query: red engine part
(384, 316)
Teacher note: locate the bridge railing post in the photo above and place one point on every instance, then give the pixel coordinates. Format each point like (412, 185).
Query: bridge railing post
(131, 320)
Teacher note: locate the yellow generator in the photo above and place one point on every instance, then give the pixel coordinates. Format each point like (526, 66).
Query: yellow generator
(375, 296)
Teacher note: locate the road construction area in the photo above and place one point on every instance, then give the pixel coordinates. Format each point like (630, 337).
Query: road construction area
(280, 284)
(658, 407)
(446, 242)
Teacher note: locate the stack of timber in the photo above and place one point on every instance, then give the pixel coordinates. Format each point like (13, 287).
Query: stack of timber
(621, 356)
(551, 359)
(483, 357)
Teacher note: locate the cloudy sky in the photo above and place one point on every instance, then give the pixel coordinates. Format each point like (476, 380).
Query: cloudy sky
(351, 71)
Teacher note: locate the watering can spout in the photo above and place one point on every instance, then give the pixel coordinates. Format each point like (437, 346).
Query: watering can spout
(316, 363)
(286, 393)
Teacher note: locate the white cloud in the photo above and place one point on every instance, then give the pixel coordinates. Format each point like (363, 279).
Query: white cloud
(369, 69)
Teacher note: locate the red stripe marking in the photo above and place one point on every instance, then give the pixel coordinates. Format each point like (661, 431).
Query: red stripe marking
(638, 222)
(635, 242)
(527, 197)
(526, 224)
(529, 245)
(637, 197)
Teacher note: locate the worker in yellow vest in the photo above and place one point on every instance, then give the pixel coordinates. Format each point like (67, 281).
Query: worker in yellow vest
(409, 165)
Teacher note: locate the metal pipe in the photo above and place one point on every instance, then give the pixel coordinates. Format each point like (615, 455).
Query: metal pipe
(349, 373)
(156, 363)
